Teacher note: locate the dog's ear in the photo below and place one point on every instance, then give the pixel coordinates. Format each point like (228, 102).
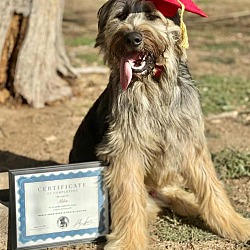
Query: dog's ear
(175, 31)
(102, 16)
(174, 27)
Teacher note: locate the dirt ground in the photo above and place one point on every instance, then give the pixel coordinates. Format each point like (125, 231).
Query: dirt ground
(43, 137)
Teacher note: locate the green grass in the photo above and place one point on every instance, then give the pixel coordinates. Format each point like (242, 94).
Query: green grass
(80, 40)
(91, 58)
(224, 46)
(220, 94)
(218, 59)
(171, 227)
(232, 163)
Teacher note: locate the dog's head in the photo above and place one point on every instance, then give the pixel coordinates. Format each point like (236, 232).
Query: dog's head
(136, 38)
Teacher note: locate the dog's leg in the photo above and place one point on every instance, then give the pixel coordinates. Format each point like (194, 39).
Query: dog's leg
(215, 207)
(128, 197)
(181, 201)
(154, 207)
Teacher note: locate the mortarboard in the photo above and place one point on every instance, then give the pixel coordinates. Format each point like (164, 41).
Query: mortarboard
(170, 7)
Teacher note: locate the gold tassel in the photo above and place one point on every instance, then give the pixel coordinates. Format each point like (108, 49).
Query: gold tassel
(184, 35)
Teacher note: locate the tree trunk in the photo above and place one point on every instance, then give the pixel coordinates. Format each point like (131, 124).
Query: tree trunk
(33, 62)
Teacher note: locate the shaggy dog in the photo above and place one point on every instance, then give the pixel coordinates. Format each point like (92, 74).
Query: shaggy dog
(147, 126)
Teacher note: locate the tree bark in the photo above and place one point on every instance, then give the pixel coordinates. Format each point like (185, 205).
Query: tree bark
(34, 64)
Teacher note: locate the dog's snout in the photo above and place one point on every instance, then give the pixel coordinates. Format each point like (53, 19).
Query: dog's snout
(133, 39)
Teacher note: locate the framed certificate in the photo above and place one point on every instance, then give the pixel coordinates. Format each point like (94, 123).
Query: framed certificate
(57, 205)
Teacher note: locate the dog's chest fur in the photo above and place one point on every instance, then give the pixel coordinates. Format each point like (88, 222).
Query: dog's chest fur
(153, 118)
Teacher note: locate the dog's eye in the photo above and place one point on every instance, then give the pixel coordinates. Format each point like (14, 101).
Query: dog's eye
(152, 16)
(122, 16)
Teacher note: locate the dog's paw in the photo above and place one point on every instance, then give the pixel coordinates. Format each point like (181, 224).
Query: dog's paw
(237, 228)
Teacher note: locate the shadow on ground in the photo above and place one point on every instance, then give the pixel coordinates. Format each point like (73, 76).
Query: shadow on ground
(12, 161)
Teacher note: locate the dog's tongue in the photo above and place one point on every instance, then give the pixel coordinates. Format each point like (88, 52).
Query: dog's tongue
(126, 68)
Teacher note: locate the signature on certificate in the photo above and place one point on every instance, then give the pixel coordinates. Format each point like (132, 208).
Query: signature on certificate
(83, 222)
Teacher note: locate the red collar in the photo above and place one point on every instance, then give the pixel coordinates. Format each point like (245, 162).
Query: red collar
(158, 71)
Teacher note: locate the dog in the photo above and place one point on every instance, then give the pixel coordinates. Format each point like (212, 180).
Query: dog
(147, 127)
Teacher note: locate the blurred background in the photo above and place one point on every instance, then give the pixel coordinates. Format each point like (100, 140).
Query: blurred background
(219, 54)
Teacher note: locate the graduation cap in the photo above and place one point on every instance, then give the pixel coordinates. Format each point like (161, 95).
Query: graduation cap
(170, 7)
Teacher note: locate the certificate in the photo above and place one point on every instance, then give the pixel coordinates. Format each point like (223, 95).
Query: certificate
(57, 205)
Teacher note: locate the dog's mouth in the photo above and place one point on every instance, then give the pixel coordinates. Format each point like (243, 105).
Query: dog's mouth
(138, 63)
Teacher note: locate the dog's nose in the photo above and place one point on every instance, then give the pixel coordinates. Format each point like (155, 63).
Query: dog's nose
(133, 39)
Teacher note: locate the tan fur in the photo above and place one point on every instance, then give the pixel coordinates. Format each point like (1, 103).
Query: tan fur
(152, 133)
